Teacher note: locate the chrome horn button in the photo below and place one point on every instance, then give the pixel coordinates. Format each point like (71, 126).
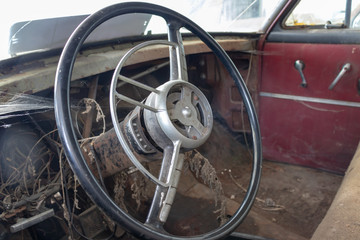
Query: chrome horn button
(184, 114)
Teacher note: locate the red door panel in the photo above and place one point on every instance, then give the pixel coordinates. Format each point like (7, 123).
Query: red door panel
(311, 126)
(323, 62)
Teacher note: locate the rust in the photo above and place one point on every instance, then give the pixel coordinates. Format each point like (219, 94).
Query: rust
(108, 152)
(13, 212)
(226, 98)
(91, 113)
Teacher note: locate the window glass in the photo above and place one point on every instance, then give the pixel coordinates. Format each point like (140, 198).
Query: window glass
(323, 13)
(314, 13)
(355, 14)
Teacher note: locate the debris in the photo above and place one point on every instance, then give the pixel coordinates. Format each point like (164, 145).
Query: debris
(269, 204)
(7, 202)
(89, 104)
(119, 189)
(138, 189)
(202, 168)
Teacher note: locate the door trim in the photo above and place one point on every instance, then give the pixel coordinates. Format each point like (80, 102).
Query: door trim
(311, 99)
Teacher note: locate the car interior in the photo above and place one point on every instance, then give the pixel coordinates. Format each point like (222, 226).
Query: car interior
(161, 120)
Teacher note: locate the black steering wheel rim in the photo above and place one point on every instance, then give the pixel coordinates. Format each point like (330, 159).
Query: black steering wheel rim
(71, 147)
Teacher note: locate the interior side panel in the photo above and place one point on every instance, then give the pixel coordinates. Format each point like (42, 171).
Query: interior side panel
(312, 126)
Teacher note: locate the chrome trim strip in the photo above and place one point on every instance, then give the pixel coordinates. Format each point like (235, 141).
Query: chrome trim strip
(310, 99)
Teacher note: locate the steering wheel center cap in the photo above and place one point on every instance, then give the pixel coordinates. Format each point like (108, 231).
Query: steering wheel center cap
(183, 114)
(186, 112)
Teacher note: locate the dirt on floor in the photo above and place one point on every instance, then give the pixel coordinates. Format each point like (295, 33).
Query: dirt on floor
(290, 204)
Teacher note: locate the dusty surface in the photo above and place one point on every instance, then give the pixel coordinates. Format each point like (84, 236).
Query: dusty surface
(290, 204)
(342, 221)
(304, 196)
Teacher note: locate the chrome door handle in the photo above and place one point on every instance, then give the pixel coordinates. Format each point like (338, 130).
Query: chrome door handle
(300, 65)
(344, 69)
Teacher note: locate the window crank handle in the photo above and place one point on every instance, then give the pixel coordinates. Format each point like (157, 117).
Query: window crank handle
(344, 69)
(300, 65)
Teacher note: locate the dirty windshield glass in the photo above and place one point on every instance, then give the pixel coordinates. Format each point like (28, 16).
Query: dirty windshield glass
(41, 25)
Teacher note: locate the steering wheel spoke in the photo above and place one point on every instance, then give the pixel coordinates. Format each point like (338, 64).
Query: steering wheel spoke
(138, 84)
(173, 114)
(178, 67)
(187, 95)
(199, 127)
(170, 172)
(134, 102)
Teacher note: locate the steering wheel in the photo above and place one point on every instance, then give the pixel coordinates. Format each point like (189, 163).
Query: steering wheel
(177, 118)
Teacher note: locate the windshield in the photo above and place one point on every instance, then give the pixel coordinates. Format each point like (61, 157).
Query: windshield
(40, 25)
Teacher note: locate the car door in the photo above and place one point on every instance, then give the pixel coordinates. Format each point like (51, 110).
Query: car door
(310, 85)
